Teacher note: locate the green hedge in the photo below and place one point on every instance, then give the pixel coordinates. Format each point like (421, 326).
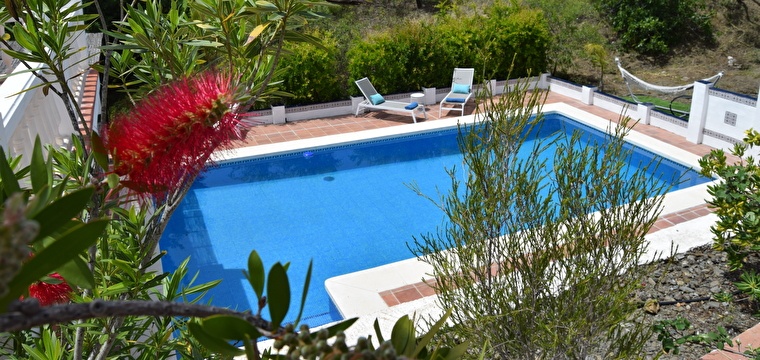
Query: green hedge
(309, 72)
(417, 54)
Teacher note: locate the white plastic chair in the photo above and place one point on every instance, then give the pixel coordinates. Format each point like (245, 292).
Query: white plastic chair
(461, 91)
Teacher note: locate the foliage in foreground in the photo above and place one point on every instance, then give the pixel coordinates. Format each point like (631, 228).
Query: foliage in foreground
(199, 68)
(541, 260)
(146, 314)
(735, 199)
(674, 333)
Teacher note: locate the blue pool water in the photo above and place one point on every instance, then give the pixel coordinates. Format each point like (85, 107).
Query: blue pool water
(346, 207)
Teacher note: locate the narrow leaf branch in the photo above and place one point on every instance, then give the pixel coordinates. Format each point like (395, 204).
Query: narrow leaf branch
(28, 314)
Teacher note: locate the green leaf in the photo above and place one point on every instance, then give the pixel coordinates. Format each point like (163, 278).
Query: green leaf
(402, 336)
(432, 332)
(201, 287)
(378, 332)
(34, 353)
(40, 175)
(256, 275)
(25, 39)
(126, 267)
(305, 292)
(452, 353)
(115, 289)
(70, 245)
(99, 150)
(211, 342)
(113, 180)
(203, 43)
(278, 295)
(76, 272)
(8, 178)
(230, 327)
(61, 211)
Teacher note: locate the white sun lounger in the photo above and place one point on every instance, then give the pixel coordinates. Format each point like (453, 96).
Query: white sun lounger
(461, 91)
(374, 101)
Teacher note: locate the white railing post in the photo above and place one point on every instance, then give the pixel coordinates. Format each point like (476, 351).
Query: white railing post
(429, 98)
(698, 113)
(278, 115)
(757, 109)
(543, 81)
(587, 94)
(644, 111)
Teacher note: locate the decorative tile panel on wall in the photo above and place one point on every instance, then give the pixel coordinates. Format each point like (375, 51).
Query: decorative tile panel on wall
(733, 97)
(730, 118)
(330, 105)
(567, 84)
(719, 136)
(668, 118)
(612, 99)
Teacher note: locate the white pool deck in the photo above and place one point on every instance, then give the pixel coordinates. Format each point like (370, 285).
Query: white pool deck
(358, 294)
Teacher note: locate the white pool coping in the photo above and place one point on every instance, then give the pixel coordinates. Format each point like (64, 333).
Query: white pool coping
(357, 294)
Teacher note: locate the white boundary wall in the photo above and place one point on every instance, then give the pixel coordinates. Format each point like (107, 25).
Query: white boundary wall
(718, 118)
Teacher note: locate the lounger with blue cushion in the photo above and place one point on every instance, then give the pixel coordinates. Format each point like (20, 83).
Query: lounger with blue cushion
(461, 91)
(374, 101)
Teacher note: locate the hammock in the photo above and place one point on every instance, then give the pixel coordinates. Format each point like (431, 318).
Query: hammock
(628, 77)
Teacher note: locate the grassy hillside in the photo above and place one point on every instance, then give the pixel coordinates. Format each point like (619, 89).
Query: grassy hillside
(737, 34)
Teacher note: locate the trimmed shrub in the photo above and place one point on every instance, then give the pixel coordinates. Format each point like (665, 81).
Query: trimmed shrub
(384, 59)
(417, 55)
(519, 34)
(309, 72)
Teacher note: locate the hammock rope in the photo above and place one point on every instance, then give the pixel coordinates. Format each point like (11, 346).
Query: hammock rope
(630, 78)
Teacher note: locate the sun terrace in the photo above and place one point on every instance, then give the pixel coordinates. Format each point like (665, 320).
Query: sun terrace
(391, 290)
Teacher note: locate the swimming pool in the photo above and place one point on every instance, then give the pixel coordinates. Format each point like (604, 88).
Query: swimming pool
(348, 207)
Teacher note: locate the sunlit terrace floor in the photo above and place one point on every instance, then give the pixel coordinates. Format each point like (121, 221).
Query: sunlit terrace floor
(267, 134)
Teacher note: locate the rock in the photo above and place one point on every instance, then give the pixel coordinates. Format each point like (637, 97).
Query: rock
(699, 272)
(713, 305)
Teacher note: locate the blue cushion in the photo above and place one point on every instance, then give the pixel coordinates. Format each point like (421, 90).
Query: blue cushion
(411, 106)
(454, 100)
(460, 89)
(376, 99)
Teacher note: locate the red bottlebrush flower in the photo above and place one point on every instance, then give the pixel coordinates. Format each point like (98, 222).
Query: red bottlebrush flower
(172, 132)
(48, 293)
